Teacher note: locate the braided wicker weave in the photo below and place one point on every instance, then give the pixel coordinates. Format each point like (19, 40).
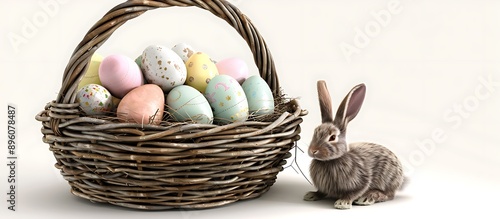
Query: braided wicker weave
(172, 165)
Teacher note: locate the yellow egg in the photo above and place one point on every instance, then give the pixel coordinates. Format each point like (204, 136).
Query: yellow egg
(200, 70)
(92, 74)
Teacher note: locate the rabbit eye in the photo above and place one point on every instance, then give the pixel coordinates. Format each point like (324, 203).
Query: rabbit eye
(332, 138)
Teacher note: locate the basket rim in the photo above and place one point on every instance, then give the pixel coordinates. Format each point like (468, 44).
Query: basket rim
(103, 29)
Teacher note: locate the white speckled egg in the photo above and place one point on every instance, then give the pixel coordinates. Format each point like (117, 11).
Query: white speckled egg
(163, 67)
(200, 70)
(183, 50)
(259, 95)
(187, 104)
(227, 99)
(95, 99)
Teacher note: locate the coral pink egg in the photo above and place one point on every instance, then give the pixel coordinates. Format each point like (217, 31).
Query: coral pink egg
(120, 74)
(233, 67)
(144, 105)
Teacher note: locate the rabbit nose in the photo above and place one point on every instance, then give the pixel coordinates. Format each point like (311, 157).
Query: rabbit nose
(314, 152)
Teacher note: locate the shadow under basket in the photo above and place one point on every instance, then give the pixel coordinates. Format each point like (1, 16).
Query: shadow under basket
(171, 165)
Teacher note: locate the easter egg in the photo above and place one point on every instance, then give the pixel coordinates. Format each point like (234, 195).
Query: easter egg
(138, 61)
(143, 105)
(163, 67)
(200, 70)
(183, 50)
(116, 101)
(233, 67)
(227, 99)
(259, 96)
(91, 76)
(187, 104)
(95, 99)
(120, 74)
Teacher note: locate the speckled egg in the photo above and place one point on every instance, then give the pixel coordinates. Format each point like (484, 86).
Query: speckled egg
(187, 104)
(200, 70)
(259, 95)
(183, 50)
(227, 99)
(95, 99)
(163, 67)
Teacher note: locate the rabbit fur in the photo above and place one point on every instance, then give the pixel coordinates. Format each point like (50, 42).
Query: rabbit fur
(359, 173)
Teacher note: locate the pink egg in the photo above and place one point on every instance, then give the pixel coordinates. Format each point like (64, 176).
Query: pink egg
(120, 74)
(233, 67)
(144, 105)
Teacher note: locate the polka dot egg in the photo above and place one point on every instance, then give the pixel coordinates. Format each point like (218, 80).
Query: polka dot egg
(200, 70)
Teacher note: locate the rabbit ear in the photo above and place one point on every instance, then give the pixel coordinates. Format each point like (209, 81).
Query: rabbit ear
(325, 102)
(350, 106)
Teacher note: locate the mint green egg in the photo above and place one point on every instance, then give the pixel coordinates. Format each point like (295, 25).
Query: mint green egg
(138, 61)
(227, 99)
(185, 104)
(259, 95)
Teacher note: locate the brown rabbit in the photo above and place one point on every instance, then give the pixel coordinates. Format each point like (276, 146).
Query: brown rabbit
(363, 173)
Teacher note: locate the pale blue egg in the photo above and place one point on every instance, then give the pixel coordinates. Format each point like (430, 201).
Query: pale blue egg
(227, 99)
(259, 95)
(187, 104)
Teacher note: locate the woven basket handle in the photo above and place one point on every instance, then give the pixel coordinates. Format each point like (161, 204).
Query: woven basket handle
(117, 16)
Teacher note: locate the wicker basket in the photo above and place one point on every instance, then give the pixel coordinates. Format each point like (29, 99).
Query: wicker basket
(172, 165)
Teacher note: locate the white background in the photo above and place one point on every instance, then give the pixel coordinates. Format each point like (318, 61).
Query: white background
(421, 65)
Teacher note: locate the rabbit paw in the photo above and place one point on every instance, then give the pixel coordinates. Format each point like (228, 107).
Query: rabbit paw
(365, 201)
(342, 204)
(371, 197)
(313, 196)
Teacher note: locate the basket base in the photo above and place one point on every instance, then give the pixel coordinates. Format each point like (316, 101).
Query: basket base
(170, 205)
